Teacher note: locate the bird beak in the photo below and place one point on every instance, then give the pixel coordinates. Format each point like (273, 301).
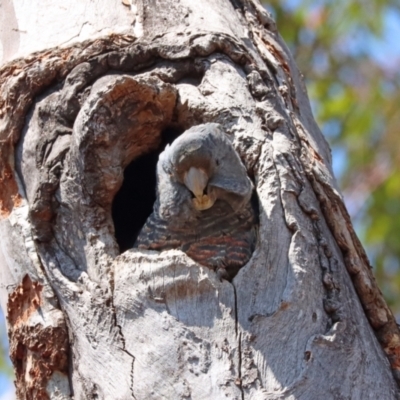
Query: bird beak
(196, 181)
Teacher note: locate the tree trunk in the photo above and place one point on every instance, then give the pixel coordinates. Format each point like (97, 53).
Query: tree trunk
(90, 91)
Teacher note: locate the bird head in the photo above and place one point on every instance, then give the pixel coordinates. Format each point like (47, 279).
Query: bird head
(204, 162)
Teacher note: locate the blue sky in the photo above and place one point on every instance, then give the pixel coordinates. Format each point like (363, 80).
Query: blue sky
(6, 384)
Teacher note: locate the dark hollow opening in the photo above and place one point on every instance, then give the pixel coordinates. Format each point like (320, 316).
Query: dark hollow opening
(134, 202)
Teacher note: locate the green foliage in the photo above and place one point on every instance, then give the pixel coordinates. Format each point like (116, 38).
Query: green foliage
(350, 55)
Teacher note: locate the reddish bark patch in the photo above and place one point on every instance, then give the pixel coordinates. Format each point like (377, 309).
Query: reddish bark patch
(279, 55)
(314, 154)
(36, 351)
(9, 196)
(25, 300)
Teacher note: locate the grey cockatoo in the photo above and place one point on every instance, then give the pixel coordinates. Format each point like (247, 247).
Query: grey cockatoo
(203, 202)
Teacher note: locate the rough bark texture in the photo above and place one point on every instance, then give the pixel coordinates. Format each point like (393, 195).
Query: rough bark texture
(303, 319)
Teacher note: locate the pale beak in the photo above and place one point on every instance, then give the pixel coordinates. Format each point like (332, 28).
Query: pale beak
(196, 181)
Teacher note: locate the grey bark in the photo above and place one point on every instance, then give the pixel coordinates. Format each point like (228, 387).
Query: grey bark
(304, 319)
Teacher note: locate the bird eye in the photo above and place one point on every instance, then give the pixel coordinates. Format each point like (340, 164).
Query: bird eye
(217, 162)
(192, 194)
